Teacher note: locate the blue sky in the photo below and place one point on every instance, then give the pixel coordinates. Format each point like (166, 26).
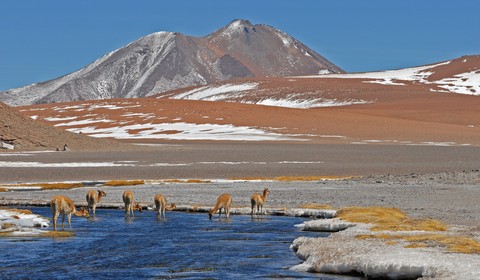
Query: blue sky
(42, 40)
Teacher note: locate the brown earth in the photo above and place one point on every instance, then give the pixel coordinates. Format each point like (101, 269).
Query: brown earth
(415, 119)
(28, 134)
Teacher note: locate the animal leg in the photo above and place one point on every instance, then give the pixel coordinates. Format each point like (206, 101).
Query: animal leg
(55, 217)
(63, 221)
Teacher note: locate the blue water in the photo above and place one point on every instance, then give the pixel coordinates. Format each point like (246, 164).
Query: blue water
(182, 246)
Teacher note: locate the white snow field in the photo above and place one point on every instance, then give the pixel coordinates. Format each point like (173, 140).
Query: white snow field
(16, 223)
(463, 83)
(183, 131)
(242, 92)
(343, 253)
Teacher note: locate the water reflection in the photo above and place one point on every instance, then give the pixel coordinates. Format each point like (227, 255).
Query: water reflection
(179, 246)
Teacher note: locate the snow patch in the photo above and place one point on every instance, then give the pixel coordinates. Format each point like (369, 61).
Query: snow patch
(22, 224)
(325, 225)
(291, 102)
(465, 83)
(211, 93)
(34, 164)
(83, 122)
(419, 74)
(343, 253)
(52, 119)
(184, 131)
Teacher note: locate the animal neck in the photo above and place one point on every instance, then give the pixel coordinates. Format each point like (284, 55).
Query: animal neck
(264, 196)
(77, 213)
(214, 210)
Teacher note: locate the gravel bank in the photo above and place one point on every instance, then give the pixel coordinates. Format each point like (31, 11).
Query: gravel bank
(451, 197)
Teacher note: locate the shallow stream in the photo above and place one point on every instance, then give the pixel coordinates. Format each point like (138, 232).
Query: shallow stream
(181, 246)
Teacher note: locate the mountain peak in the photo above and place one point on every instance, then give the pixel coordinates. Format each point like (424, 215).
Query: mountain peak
(163, 61)
(236, 27)
(239, 23)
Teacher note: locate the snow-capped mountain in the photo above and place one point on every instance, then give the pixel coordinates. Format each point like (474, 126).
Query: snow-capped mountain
(165, 61)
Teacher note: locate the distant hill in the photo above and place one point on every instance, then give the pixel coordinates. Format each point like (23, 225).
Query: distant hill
(27, 134)
(165, 61)
(459, 76)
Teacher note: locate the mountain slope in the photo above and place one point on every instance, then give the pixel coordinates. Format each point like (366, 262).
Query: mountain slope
(459, 76)
(165, 61)
(27, 134)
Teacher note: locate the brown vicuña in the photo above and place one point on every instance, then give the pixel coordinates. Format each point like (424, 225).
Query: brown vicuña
(130, 204)
(224, 201)
(258, 201)
(64, 205)
(93, 198)
(161, 205)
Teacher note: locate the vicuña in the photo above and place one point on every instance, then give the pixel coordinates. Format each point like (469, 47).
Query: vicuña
(258, 200)
(161, 205)
(224, 201)
(93, 198)
(64, 205)
(130, 204)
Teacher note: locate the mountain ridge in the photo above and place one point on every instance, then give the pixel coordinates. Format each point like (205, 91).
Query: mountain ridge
(164, 61)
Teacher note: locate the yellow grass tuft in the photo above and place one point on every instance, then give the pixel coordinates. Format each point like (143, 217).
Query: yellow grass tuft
(193, 181)
(21, 211)
(117, 183)
(388, 219)
(50, 186)
(316, 206)
(7, 225)
(417, 245)
(3, 190)
(172, 181)
(56, 234)
(60, 186)
(453, 243)
(309, 178)
(198, 181)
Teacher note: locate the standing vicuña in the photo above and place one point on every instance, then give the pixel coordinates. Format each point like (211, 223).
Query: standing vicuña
(258, 200)
(130, 205)
(93, 198)
(64, 205)
(161, 205)
(224, 201)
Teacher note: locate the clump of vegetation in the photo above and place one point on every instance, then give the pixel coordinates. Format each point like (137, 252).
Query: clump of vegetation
(193, 181)
(50, 186)
(3, 190)
(21, 211)
(316, 206)
(117, 183)
(60, 186)
(453, 243)
(391, 219)
(56, 234)
(310, 178)
(7, 225)
(198, 181)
